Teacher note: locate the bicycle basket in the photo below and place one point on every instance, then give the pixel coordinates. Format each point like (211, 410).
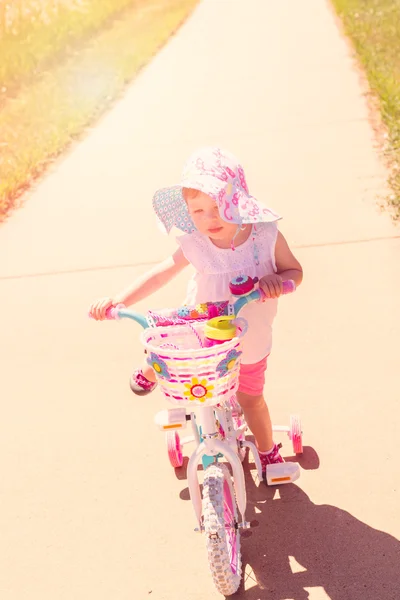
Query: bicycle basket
(187, 373)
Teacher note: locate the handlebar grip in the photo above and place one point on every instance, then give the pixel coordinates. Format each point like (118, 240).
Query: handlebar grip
(289, 286)
(112, 313)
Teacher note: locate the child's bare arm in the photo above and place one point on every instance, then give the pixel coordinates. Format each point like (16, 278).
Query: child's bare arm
(153, 280)
(287, 267)
(144, 286)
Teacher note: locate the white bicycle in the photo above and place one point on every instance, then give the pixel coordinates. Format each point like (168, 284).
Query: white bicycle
(201, 380)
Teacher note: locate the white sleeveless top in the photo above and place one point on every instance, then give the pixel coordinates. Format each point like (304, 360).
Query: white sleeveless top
(215, 267)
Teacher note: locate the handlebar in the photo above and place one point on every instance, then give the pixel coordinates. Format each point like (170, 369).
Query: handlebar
(288, 286)
(121, 312)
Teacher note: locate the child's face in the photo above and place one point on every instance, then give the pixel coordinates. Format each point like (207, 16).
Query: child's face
(206, 218)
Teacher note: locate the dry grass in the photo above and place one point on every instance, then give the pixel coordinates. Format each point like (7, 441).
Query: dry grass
(40, 122)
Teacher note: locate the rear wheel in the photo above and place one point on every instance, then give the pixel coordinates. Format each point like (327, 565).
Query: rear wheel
(220, 522)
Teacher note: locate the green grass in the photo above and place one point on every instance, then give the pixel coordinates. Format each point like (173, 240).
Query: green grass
(36, 32)
(374, 28)
(45, 116)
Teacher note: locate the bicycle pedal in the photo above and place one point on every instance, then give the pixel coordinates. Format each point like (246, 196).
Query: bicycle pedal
(282, 473)
(172, 418)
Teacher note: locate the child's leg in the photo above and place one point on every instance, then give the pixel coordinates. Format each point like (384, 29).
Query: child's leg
(258, 419)
(250, 397)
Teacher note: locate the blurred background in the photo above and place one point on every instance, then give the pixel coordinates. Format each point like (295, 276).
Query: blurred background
(62, 63)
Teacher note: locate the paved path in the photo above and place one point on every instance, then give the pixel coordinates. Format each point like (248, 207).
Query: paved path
(89, 506)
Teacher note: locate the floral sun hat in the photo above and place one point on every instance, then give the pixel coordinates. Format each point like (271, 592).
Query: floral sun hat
(218, 174)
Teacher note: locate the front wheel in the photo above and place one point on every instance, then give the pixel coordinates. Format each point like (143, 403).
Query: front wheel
(220, 521)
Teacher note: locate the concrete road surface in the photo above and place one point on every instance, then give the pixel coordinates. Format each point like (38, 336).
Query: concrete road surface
(90, 508)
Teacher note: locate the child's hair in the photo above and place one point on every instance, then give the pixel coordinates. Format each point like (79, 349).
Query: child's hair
(189, 193)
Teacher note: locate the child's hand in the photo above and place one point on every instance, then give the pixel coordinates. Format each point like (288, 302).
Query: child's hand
(98, 309)
(272, 286)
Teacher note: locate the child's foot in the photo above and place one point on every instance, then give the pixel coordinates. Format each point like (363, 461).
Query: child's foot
(140, 385)
(271, 458)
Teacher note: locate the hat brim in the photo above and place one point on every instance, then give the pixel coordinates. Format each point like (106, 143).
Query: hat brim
(171, 210)
(234, 205)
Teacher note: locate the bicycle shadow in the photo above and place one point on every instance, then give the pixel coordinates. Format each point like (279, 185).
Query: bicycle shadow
(298, 544)
(308, 460)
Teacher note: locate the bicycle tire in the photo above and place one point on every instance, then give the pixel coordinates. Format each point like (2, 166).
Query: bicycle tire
(220, 519)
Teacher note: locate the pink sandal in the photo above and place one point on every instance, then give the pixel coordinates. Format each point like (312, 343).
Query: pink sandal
(272, 458)
(140, 385)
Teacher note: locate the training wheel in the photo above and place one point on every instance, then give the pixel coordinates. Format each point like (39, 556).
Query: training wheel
(174, 447)
(296, 434)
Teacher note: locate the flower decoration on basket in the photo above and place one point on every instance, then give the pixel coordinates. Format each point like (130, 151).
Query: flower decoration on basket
(159, 366)
(202, 308)
(198, 390)
(228, 362)
(183, 311)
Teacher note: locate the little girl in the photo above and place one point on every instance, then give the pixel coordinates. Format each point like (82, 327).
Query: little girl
(228, 233)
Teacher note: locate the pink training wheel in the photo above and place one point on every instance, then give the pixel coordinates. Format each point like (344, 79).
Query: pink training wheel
(174, 447)
(296, 434)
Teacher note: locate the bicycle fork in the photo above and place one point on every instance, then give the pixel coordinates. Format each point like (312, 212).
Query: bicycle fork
(212, 446)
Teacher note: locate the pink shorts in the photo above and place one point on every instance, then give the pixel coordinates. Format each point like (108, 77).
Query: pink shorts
(252, 377)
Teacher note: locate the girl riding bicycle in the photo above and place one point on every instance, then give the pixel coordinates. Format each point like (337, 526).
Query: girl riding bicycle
(227, 234)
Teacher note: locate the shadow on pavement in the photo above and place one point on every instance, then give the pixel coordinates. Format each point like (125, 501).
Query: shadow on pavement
(295, 545)
(309, 460)
(298, 544)
(181, 472)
